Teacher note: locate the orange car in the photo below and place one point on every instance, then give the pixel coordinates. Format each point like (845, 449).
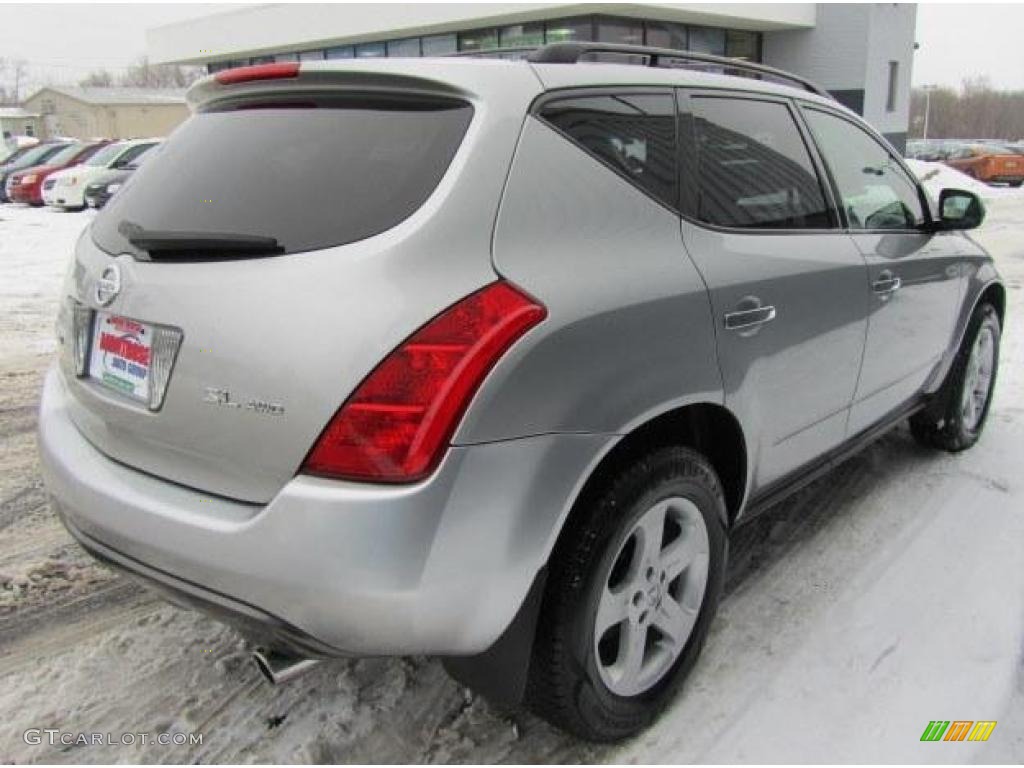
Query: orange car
(990, 163)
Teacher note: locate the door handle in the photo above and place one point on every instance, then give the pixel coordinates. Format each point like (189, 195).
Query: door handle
(751, 317)
(886, 284)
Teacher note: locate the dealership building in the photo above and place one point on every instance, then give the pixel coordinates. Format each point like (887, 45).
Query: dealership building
(861, 53)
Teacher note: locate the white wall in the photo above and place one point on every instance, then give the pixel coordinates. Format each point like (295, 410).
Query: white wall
(850, 49)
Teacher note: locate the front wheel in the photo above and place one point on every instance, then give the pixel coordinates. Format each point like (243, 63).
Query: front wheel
(963, 401)
(634, 584)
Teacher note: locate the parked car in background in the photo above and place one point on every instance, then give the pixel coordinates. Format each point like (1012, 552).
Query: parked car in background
(66, 189)
(991, 163)
(98, 192)
(27, 186)
(11, 144)
(31, 157)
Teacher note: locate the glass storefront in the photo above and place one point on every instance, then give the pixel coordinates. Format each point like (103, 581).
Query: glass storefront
(602, 28)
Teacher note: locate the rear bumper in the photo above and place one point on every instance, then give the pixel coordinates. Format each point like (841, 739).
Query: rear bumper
(333, 568)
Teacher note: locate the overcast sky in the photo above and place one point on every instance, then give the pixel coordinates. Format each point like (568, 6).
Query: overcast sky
(62, 43)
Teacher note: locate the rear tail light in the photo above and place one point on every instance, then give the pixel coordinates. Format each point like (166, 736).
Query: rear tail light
(282, 69)
(396, 425)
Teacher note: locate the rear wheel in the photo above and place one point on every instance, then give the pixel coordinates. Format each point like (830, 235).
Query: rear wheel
(1016, 183)
(633, 587)
(956, 420)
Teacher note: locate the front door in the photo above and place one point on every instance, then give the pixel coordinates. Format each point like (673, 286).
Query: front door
(913, 274)
(787, 285)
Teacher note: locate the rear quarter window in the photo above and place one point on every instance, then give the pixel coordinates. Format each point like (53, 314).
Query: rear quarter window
(633, 133)
(310, 175)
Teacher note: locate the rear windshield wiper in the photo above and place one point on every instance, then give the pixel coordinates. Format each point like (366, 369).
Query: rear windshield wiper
(200, 246)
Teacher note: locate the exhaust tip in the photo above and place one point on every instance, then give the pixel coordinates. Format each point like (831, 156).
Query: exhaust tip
(280, 668)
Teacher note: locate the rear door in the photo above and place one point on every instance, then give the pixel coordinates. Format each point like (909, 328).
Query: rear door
(787, 286)
(913, 274)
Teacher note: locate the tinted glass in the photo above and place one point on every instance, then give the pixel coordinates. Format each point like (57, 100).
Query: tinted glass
(478, 39)
(619, 31)
(707, 40)
(106, 154)
(875, 191)
(308, 177)
(633, 134)
(370, 50)
(755, 170)
(65, 155)
(408, 48)
(561, 30)
(439, 45)
(133, 154)
(341, 52)
(665, 34)
(522, 34)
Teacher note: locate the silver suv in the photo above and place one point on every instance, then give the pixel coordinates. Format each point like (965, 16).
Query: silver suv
(485, 358)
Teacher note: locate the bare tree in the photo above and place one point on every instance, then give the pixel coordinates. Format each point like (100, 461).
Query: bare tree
(976, 111)
(13, 74)
(142, 74)
(100, 78)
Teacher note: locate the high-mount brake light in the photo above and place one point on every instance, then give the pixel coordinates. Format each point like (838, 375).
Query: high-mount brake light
(276, 71)
(397, 424)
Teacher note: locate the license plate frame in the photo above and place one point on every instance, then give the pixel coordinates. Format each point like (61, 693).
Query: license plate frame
(121, 355)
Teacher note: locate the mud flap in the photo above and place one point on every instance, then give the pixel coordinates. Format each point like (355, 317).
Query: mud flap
(499, 674)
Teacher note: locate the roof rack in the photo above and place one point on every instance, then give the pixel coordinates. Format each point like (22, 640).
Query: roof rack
(571, 52)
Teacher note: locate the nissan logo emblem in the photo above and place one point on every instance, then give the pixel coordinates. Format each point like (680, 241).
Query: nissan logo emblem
(108, 286)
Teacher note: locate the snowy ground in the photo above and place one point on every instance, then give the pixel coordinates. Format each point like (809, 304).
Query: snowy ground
(886, 595)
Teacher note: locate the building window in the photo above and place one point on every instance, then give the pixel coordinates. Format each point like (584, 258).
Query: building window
(665, 34)
(261, 60)
(620, 31)
(408, 48)
(707, 40)
(478, 40)
(30, 130)
(521, 35)
(894, 84)
(311, 56)
(286, 57)
(370, 50)
(563, 30)
(743, 45)
(341, 52)
(440, 45)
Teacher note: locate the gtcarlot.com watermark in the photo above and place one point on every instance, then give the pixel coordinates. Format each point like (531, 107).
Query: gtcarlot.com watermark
(55, 737)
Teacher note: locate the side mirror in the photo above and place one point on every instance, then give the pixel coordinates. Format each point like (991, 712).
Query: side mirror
(960, 209)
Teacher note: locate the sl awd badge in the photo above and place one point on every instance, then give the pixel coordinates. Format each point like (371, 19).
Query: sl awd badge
(222, 397)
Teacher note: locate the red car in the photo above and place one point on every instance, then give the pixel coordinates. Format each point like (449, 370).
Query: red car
(26, 186)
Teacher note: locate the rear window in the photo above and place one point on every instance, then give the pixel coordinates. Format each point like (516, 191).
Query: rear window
(304, 176)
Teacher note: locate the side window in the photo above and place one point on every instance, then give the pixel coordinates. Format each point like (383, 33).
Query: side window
(633, 133)
(754, 169)
(130, 154)
(876, 192)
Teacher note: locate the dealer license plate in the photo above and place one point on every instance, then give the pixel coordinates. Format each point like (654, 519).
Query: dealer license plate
(121, 353)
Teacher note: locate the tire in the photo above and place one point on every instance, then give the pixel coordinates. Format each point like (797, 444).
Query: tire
(1016, 183)
(951, 423)
(574, 680)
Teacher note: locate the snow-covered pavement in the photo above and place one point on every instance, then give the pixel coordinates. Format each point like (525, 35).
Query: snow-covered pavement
(888, 594)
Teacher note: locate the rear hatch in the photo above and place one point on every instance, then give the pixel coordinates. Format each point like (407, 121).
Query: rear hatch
(281, 243)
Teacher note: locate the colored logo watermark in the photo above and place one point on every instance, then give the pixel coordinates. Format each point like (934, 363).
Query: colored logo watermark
(958, 730)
